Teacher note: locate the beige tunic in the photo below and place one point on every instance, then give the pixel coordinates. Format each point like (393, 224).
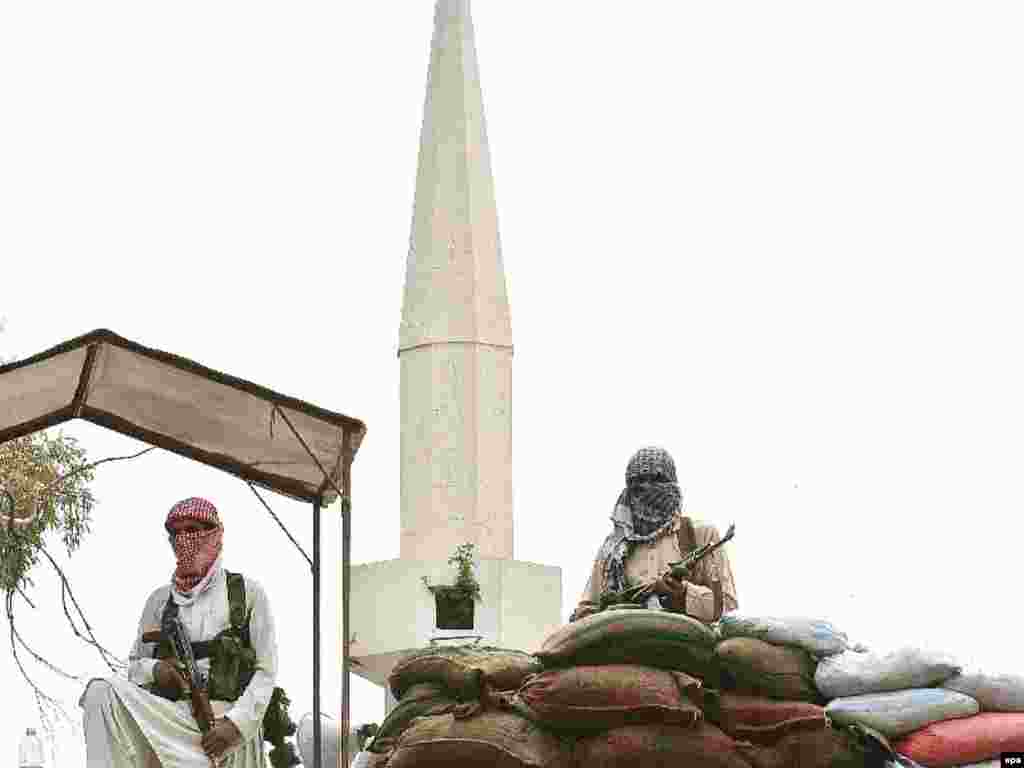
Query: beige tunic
(649, 561)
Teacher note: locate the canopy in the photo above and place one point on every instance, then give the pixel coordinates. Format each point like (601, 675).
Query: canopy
(280, 443)
(269, 439)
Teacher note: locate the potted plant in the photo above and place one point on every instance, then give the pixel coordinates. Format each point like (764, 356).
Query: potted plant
(455, 602)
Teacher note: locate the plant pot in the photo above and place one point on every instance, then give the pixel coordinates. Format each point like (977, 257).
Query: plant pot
(454, 608)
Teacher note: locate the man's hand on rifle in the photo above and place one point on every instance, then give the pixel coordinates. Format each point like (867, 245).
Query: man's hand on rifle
(674, 592)
(219, 739)
(169, 680)
(583, 610)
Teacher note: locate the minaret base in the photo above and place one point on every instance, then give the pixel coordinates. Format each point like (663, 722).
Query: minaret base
(394, 612)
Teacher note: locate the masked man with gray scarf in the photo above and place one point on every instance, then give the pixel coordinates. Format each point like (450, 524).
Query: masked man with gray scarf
(649, 532)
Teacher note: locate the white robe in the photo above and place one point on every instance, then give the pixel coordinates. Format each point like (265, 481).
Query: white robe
(128, 727)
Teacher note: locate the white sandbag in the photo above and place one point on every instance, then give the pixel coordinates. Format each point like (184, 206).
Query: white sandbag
(851, 673)
(995, 693)
(815, 636)
(897, 713)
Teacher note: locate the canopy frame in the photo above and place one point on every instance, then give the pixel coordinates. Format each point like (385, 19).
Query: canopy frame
(336, 484)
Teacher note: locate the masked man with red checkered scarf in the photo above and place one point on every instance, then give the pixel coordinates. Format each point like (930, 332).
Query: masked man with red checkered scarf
(144, 720)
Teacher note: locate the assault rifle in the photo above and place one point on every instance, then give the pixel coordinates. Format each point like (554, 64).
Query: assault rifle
(174, 631)
(679, 570)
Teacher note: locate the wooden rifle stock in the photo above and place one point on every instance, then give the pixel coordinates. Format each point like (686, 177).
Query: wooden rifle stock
(174, 630)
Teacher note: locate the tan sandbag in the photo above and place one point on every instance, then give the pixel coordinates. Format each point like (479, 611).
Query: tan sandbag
(645, 637)
(809, 748)
(599, 698)
(815, 635)
(659, 746)
(763, 669)
(462, 670)
(853, 674)
(739, 712)
(993, 692)
(499, 739)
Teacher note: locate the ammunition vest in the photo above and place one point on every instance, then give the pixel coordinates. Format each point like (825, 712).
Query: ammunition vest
(232, 659)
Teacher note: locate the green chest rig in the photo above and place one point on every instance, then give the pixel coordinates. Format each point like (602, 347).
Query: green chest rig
(232, 659)
(233, 663)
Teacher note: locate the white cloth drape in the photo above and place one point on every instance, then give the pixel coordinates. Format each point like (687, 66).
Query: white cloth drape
(128, 727)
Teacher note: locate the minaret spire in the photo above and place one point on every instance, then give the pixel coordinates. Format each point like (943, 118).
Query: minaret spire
(455, 338)
(455, 357)
(455, 279)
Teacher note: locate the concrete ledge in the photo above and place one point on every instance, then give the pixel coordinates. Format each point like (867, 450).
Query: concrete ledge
(393, 612)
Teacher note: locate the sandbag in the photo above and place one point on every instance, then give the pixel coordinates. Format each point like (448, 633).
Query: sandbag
(420, 700)
(659, 746)
(649, 638)
(816, 636)
(812, 748)
(897, 713)
(965, 740)
(599, 698)
(994, 693)
(499, 739)
(852, 674)
(763, 669)
(463, 669)
(757, 719)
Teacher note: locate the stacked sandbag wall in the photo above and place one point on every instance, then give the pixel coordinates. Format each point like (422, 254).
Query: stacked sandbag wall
(918, 705)
(639, 687)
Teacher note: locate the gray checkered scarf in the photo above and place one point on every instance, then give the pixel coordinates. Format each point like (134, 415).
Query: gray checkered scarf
(644, 511)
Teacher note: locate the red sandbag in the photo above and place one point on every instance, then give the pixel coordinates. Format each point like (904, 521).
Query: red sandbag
(964, 740)
(599, 698)
(659, 746)
(755, 718)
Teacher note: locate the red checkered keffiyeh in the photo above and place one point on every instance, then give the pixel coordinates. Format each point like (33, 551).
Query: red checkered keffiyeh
(196, 551)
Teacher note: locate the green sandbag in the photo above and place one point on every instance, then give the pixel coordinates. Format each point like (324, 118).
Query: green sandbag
(463, 670)
(645, 637)
(420, 700)
(763, 669)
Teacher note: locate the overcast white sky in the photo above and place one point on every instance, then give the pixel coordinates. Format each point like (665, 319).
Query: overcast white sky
(781, 239)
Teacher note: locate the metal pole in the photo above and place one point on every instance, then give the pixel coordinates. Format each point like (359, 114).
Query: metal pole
(346, 589)
(317, 755)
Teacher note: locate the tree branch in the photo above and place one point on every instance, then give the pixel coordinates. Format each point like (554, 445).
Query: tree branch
(25, 597)
(42, 700)
(65, 591)
(93, 465)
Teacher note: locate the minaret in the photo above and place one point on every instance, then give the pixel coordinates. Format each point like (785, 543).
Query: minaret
(455, 339)
(455, 357)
